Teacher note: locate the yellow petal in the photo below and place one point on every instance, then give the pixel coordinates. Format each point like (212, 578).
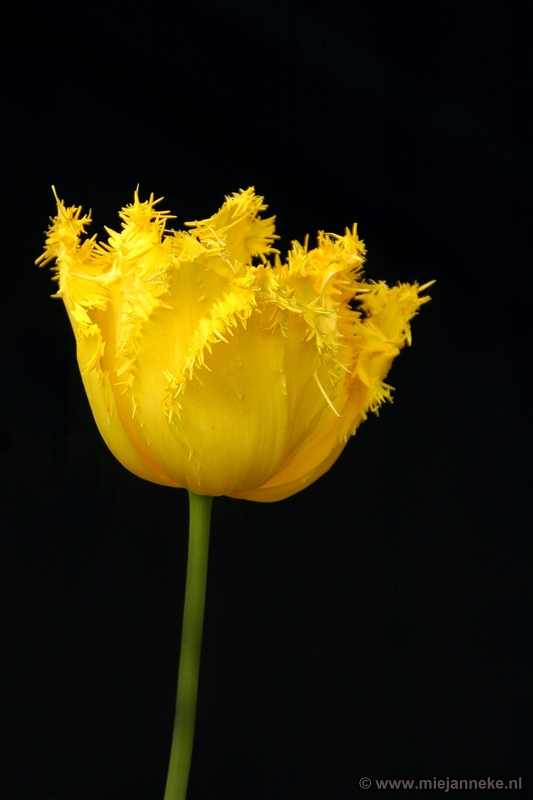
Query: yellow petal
(237, 227)
(207, 372)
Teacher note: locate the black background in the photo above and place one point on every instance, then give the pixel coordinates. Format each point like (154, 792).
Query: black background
(378, 623)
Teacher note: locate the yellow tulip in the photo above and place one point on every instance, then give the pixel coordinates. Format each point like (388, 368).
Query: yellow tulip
(209, 368)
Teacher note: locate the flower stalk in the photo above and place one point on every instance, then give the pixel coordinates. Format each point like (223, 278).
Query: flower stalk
(191, 643)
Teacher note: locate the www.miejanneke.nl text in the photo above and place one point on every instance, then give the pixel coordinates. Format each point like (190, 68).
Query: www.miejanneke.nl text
(448, 784)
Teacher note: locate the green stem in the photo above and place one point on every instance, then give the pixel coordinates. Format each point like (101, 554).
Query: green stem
(191, 643)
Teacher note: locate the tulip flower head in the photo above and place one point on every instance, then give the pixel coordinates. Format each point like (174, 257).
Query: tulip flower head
(211, 365)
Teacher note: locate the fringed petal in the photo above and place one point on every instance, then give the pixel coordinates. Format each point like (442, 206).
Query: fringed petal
(208, 371)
